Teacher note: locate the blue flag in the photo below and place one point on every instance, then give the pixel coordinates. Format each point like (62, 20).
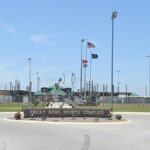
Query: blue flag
(94, 56)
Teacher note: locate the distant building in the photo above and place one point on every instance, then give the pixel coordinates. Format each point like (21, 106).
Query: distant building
(57, 93)
(10, 96)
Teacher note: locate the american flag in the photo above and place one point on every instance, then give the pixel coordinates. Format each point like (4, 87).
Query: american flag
(90, 45)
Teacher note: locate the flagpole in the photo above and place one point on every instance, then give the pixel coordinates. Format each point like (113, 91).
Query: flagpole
(82, 40)
(90, 71)
(85, 72)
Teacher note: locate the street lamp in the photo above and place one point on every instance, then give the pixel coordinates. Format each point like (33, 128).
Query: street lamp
(118, 71)
(114, 15)
(30, 84)
(149, 73)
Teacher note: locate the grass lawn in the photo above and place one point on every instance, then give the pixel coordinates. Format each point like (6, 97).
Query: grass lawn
(11, 107)
(125, 107)
(7, 109)
(15, 107)
(18, 107)
(132, 108)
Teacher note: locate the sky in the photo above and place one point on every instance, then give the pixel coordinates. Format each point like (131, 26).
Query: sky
(50, 32)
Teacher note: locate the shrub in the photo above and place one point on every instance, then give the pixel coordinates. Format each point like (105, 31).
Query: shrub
(35, 103)
(118, 117)
(42, 104)
(27, 105)
(109, 115)
(17, 116)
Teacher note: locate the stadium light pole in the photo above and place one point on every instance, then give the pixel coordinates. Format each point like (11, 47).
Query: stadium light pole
(118, 71)
(114, 15)
(29, 59)
(38, 81)
(149, 73)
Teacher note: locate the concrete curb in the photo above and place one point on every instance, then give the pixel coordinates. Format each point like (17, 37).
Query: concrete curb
(7, 112)
(133, 113)
(86, 123)
(65, 123)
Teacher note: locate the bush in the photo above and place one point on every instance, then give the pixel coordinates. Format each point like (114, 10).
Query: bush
(27, 105)
(42, 104)
(109, 115)
(118, 117)
(17, 116)
(35, 103)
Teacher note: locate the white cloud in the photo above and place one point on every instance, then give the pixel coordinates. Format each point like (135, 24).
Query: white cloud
(10, 29)
(7, 27)
(43, 39)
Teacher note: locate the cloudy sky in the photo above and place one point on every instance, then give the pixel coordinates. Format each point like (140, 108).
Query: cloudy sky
(50, 32)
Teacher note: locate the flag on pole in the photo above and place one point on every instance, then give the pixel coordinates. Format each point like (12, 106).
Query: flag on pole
(90, 45)
(94, 56)
(85, 65)
(84, 61)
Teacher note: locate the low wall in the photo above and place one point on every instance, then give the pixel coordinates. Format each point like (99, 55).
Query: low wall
(66, 112)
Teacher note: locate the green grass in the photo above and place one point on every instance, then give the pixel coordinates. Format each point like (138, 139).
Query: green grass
(10, 107)
(15, 107)
(7, 109)
(124, 107)
(18, 107)
(132, 108)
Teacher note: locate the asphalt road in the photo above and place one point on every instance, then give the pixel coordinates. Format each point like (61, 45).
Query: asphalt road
(134, 135)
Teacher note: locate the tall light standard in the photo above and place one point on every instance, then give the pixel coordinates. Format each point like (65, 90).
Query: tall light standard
(149, 73)
(38, 81)
(73, 81)
(145, 89)
(118, 71)
(114, 15)
(30, 84)
(82, 40)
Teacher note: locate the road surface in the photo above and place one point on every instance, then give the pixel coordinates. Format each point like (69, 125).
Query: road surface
(133, 135)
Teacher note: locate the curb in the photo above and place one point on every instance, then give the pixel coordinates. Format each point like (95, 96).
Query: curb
(133, 113)
(65, 123)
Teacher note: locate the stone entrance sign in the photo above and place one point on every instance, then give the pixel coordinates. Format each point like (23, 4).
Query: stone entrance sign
(66, 112)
